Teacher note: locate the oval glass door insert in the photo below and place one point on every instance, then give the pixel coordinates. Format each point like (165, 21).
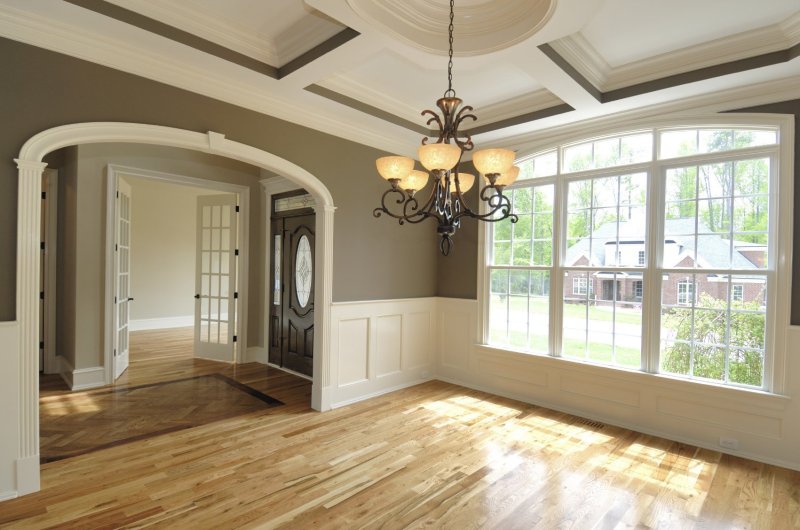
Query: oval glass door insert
(303, 270)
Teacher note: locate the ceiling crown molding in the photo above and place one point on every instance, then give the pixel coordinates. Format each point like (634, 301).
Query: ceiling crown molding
(481, 26)
(580, 53)
(224, 33)
(304, 35)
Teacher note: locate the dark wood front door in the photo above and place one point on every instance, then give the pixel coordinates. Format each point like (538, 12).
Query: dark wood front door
(292, 300)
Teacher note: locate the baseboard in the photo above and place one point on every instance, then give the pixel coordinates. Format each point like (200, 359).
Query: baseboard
(625, 425)
(161, 323)
(28, 475)
(82, 378)
(380, 392)
(8, 495)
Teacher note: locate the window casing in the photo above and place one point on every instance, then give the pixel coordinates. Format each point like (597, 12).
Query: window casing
(635, 304)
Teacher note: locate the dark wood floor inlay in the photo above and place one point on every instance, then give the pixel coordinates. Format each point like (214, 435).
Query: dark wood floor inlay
(119, 415)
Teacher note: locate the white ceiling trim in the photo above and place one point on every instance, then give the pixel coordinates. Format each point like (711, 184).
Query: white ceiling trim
(353, 89)
(294, 41)
(481, 29)
(509, 108)
(196, 22)
(711, 103)
(79, 42)
(514, 107)
(580, 53)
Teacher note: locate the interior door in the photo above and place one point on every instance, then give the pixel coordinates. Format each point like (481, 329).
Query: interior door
(292, 308)
(122, 291)
(215, 277)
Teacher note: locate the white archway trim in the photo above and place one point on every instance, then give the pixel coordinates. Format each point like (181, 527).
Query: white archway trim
(30, 168)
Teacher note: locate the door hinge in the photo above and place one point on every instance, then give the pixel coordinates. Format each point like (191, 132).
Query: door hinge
(44, 195)
(115, 353)
(115, 299)
(117, 194)
(236, 252)
(116, 247)
(41, 344)
(235, 295)
(237, 208)
(41, 245)
(41, 295)
(235, 338)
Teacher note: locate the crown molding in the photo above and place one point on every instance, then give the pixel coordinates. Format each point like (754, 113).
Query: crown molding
(351, 88)
(711, 103)
(68, 39)
(224, 33)
(482, 27)
(520, 105)
(580, 53)
(303, 36)
(487, 114)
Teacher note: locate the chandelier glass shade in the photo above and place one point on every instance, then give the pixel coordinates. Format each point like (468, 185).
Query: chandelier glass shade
(446, 204)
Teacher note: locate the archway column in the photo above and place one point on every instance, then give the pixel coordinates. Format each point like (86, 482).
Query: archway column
(29, 202)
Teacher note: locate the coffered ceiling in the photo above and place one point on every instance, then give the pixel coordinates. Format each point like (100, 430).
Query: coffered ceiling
(364, 69)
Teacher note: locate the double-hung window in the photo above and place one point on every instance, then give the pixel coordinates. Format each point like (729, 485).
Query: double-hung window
(651, 250)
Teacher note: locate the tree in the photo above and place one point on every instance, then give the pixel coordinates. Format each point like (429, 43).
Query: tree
(706, 334)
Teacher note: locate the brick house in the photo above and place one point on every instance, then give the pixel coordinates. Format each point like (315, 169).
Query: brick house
(713, 252)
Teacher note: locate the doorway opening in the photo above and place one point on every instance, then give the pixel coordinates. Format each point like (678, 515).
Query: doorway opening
(291, 307)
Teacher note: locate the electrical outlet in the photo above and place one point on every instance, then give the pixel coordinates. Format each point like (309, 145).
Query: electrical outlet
(729, 443)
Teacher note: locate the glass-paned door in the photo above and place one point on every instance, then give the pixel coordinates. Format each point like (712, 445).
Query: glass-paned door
(215, 323)
(122, 258)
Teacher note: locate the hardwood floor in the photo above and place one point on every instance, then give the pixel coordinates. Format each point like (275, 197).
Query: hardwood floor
(435, 455)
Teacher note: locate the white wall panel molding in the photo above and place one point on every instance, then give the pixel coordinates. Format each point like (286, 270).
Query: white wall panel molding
(9, 409)
(380, 346)
(766, 426)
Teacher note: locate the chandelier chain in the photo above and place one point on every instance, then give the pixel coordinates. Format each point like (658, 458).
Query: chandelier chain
(450, 90)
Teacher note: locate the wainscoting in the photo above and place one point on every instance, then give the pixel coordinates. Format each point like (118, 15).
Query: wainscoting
(9, 411)
(765, 427)
(380, 346)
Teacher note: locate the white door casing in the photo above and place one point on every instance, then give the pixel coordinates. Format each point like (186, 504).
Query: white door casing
(122, 277)
(30, 167)
(215, 278)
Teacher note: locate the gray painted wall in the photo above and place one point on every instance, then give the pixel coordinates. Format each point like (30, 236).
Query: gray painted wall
(373, 258)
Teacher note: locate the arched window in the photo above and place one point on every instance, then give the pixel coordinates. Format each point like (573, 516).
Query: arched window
(653, 249)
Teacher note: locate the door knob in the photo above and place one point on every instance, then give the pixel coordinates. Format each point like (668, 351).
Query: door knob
(130, 299)
(197, 297)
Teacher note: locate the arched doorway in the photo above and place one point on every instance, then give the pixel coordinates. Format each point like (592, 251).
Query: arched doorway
(30, 166)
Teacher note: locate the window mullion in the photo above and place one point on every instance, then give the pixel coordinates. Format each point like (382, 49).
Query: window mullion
(651, 300)
(557, 273)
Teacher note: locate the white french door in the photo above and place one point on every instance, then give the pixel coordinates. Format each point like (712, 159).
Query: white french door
(215, 277)
(122, 278)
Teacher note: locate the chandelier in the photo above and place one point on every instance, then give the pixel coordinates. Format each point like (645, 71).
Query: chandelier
(446, 204)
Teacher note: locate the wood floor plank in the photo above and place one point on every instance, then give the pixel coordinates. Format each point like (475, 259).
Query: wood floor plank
(435, 455)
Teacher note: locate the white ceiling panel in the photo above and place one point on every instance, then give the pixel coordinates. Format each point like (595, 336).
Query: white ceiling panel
(395, 84)
(624, 31)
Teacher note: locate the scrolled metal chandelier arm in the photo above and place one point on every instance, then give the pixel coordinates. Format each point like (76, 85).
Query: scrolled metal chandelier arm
(446, 205)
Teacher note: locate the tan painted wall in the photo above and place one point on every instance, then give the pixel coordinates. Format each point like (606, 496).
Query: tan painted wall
(163, 245)
(373, 258)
